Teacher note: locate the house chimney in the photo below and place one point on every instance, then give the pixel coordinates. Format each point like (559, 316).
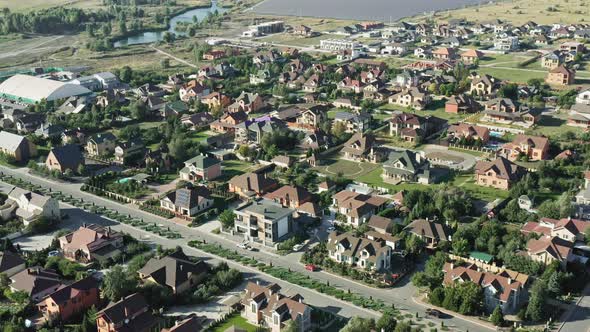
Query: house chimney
(258, 282)
(248, 183)
(452, 266)
(509, 280)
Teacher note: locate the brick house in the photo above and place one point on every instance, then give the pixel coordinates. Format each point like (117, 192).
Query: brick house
(200, 168)
(533, 147)
(70, 300)
(469, 132)
(500, 173)
(561, 76)
(462, 104)
(19, 147)
(131, 313)
(64, 157)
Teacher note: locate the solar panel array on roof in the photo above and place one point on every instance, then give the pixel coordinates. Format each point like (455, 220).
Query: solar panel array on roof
(183, 197)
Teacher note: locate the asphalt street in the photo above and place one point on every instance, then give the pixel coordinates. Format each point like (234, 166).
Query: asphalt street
(400, 296)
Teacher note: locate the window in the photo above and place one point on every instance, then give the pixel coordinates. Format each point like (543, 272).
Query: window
(253, 307)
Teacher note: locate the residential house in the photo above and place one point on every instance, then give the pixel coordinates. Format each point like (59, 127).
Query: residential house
(561, 76)
(500, 173)
(350, 85)
(431, 232)
(290, 196)
(353, 122)
(65, 157)
(572, 47)
(302, 30)
(534, 148)
(131, 313)
(11, 263)
(17, 147)
(213, 55)
(193, 89)
(357, 208)
(216, 100)
(91, 243)
(583, 97)
(37, 282)
(228, 122)
(149, 90)
(176, 271)
(572, 230)
(359, 252)
(484, 85)
(412, 127)
(265, 306)
(508, 43)
(49, 131)
(247, 102)
(187, 202)
(499, 290)
(361, 147)
(197, 121)
(283, 161)
(550, 249)
(552, 60)
(462, 104)
(261, 77)
(264, 221)
(312, 84)
(413, 97)
(505, 110)
(469, 132)
(71, 300)
(471, 56)
(174, 109)
(252, 131)
(200, 168)
(311, 118)
(252, 184)
(29, 123)
(191, 324)
(444, 53)
(30, 206)
(129, 151)
(406, 166)
(101, 144)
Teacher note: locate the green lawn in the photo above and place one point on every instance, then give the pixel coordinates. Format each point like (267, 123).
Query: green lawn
(288, 39)
(552, 126)
(349, 169)
(200, 136)
(516, 75)
(437, 109)
(237, 321)
(233, 168)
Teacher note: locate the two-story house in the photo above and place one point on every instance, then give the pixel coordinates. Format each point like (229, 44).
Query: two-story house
(247, 102)
(71, 300)
(266, 306)
(413, 97)
(29, 205)
(101, 144)
(175, 271)
(534, 148)
(431, 232)
(187, 202)
(200, 168)
(361, 253)
(357, 208)
(264, 221)
(16, 146)
(500, 173)
(406, 166)
(131, 313)
(129, 151)
(91, 243)
(252, 184)
(469, 132)
(62, 158)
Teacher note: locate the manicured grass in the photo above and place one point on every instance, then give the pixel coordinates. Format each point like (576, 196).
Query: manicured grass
(516, 75)
(436, 109)
(200, 136)
(289, 39)
(349, 169)
(237, 321)
(233, 168)
(552, 126)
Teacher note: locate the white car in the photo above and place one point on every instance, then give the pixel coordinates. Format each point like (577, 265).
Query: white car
(331, 229)
(53, 253)
(243, 245)
(298, 247)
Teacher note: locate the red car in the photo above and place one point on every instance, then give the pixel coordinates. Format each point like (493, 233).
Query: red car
(311, 267)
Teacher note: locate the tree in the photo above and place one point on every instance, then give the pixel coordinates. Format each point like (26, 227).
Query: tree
(461, 247)
(293, 326)
(554, 284)
(414, 244)
(387, 321)
(535, 311)
(117, 284)
(359, 324)
(497, 317)
(138, 110)
(403, 327)
(227, 218)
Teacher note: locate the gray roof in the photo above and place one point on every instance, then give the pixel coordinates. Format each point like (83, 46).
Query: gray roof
(188, 198)
(10, 141)
(35, 89)
(9, 260)
(270, 210)
(68, 156)
(411, 160)
(202, 162)
(173, 270)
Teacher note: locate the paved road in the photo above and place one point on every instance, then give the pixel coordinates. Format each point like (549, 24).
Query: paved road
(400, 296)
(578, 319)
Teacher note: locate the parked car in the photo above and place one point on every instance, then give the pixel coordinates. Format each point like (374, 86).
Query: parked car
(53, 253)
(311, 267)
(433, 313)
(298, 247)
(331, 229)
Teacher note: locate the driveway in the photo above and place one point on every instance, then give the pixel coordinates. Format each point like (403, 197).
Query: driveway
(460, 160)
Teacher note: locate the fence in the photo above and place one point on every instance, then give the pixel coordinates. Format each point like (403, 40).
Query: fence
(114, 196)
(484, 266)
(472, 148)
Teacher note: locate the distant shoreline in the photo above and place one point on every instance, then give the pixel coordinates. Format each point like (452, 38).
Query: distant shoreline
(353, 15)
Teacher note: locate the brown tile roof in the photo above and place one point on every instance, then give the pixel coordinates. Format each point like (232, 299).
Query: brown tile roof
(535, 227)
(292, 193)
(34, 280)
(190, 324)
(504, 168)
(538, 142)
(562, 70)
(359, 204)
(256, 182)
(92, 237)
(173, 270)
(465, 129)
(353, 245)
(270, 300)
(429, 229)
(554, 246)
(380, 223)
(359, 144)
(9, 260)
(503, 285)
(67, 292)
(131, 313)
(472, 53)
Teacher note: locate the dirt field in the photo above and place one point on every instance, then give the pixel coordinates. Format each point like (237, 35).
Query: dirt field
(519, 12)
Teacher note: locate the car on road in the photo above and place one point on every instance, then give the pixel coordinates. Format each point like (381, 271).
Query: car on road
(243, 245)
(298, 247)
(91, 271)
(311, 267)
(434, 313)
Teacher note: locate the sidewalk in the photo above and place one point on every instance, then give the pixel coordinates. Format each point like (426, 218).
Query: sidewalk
(419, 300)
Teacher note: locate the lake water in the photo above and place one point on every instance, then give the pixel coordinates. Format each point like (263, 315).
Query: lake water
(374, 10)
(155, 36)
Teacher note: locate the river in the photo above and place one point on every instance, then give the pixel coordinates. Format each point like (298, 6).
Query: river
(155, 36)
(373, 10)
